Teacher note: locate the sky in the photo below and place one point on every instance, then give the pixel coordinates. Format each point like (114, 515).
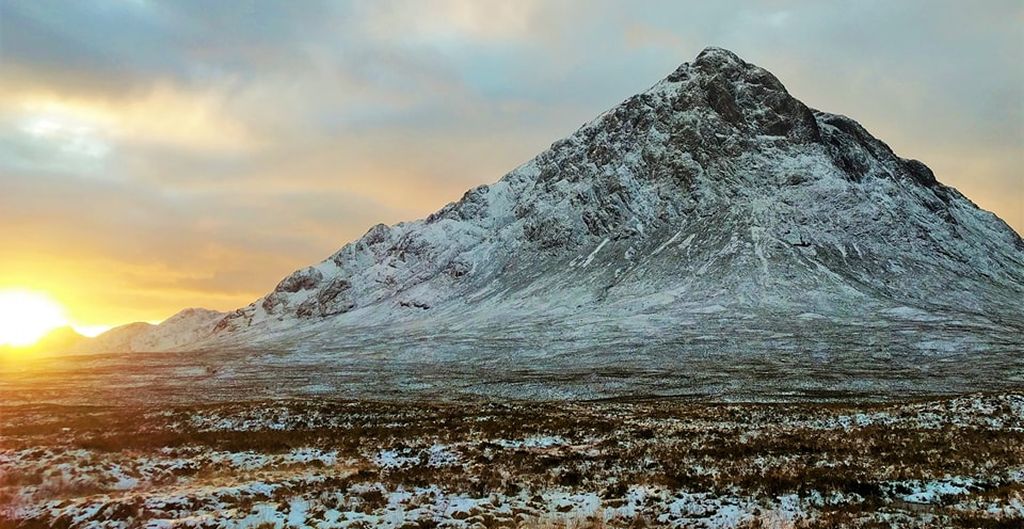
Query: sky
(162, 155)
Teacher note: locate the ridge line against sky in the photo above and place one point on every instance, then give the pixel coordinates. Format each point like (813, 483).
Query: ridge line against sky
(159, 155)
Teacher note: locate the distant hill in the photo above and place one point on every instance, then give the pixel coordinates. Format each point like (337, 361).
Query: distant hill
(57, 341)
(185, 327)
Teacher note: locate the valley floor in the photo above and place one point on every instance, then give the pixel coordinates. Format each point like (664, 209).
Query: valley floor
(956, 462)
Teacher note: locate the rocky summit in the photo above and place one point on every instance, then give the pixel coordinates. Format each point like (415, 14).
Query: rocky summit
(712, 222)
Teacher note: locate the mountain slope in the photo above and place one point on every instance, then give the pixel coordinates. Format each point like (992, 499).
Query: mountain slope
(714, 191)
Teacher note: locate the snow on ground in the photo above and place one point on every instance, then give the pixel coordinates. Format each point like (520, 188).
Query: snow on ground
(952, 462)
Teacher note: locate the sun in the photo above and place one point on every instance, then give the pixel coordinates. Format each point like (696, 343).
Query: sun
(26, 316)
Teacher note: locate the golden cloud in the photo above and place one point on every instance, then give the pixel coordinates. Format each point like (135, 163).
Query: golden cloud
(164, 116)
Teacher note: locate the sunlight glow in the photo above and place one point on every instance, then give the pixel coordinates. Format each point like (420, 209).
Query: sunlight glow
(91, 331)
(27, 316)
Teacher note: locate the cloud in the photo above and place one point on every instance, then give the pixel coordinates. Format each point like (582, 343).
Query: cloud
(87, 130)
(449, 21)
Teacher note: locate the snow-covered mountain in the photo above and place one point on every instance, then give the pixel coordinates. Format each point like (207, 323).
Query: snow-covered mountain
(186, 327)
(713, 196)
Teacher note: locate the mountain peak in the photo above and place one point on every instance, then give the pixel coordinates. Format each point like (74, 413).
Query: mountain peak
(713, 61)
(749, 99)
(713, 56)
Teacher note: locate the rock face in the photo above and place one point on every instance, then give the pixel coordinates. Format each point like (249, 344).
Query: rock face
(714, 191)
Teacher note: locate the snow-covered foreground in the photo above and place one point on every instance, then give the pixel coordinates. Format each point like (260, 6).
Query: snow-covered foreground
(300, 463)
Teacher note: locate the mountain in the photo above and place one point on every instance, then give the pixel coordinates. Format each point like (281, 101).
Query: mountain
(59, 339)
(712, 212)
(116, 340)
(713, 191)
(184, 328)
